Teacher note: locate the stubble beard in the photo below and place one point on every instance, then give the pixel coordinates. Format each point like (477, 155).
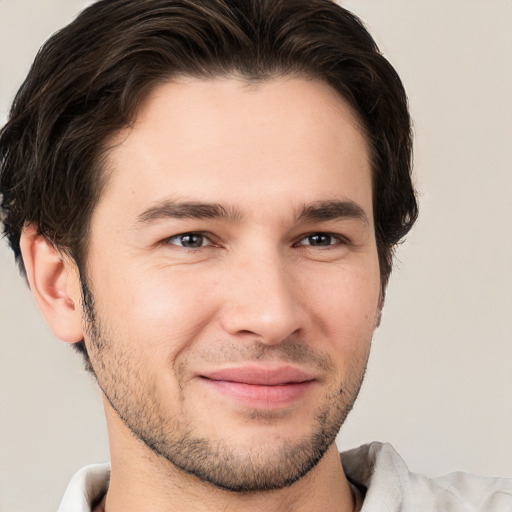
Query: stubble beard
(175, 439)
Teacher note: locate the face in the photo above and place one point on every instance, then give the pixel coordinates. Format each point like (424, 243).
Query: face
(235, 279)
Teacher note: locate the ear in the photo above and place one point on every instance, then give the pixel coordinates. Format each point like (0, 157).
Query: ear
(55, 283)
(380, 305)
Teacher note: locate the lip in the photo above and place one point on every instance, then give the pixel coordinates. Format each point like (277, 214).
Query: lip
(260, 376)
(268, 388)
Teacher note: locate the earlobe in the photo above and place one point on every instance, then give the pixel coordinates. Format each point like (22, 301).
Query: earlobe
(55, 284)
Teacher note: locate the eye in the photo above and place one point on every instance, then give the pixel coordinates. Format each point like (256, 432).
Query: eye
(190, 240)
(321, 240)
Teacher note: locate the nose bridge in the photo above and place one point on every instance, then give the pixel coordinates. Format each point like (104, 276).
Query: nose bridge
(263, 300)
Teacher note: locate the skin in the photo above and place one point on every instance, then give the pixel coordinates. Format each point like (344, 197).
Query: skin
(264, 286)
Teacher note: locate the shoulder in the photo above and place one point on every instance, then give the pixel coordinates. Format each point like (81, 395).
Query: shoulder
(391, 487)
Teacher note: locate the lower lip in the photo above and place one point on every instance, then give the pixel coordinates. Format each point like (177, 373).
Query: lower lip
(268, 397)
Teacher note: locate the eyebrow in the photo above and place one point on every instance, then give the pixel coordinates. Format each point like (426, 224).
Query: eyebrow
(333, 210)
(188, 210)
(318, 211)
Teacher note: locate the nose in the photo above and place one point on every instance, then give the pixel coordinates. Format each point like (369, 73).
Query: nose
(263, 301)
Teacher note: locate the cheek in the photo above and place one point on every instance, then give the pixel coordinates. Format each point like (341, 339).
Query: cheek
(161, 309)
(345, 305)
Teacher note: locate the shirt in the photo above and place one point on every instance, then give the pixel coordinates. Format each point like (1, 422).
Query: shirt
(375, 469)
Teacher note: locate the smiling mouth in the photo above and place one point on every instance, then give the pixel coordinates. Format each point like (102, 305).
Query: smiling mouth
(260, 387)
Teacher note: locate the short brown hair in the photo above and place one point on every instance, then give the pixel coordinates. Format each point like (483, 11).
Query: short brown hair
(89, 78)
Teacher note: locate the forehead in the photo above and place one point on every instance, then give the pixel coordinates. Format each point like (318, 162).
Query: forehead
(248, 144)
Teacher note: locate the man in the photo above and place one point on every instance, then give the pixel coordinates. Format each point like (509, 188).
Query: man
(205, 197)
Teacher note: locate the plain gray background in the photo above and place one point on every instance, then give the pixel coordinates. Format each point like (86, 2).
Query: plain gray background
(440, 377)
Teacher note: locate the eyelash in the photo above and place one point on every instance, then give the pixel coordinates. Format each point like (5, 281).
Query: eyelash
(190, 234)
(339, 240)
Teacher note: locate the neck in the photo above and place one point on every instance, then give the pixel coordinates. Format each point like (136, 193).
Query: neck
(135, 487)
(142, 480)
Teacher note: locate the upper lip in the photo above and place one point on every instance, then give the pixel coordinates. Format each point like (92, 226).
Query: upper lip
(261, 376)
